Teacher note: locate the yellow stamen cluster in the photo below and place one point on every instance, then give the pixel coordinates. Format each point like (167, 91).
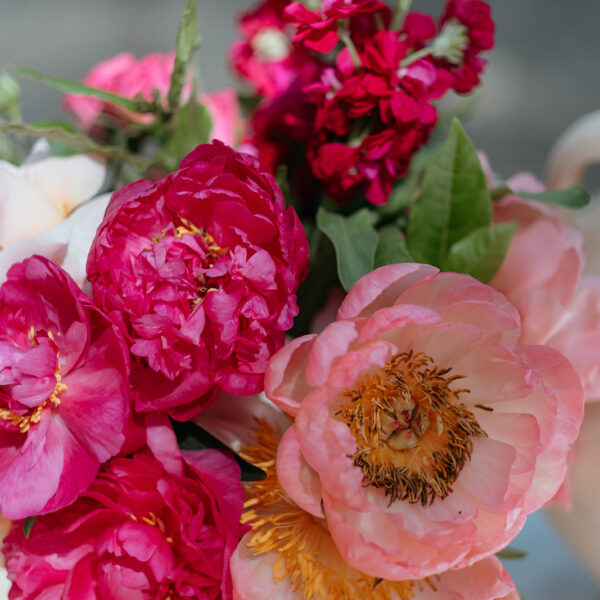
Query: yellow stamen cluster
(24, 421)
(153, 521)
(307, 557)
(413, 434)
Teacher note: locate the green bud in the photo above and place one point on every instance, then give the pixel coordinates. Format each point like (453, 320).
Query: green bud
(10, 96)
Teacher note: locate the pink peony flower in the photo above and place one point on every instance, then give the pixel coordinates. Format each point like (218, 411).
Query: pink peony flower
(139, 532)
(201, 270)
(541, 276)
(290, 555)
(424, 432)
(64, 399)
(127, 76)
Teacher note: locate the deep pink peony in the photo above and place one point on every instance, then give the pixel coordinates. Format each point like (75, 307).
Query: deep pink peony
(139, 532)
(201, 270)
(127, 76)
(423, 429)
(541, 276)
(64, 396)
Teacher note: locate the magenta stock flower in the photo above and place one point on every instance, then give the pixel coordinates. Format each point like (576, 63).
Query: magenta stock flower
(139, 532)
(424, 432)
(64, 396)
(201, 270)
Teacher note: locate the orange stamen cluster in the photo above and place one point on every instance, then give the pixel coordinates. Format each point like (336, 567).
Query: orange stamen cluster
(413, 434)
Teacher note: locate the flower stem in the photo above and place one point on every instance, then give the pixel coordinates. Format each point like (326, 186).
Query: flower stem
(402, 8)
(415, 56)
(344, 34)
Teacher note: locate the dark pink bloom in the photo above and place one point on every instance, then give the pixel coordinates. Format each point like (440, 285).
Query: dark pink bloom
(201, 270)
(266, 56)
(475, 16)
(64, 396)
(139, 532)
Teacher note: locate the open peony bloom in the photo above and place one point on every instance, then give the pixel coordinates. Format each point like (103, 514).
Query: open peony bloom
(541, 276)
(64, 398)
(201, 269)
(424, 432)
(290, 555)
(139, 532)
(39, 195)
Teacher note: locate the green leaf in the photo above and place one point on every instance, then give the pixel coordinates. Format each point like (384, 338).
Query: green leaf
(509, 553)
(57, 133)
(481, 253)
(574, 197)
(454, 200)
(10, 97)
(391, 248)
(193, 437)
(75, 87)
(190, 127)
(28, 526)
(355, 241)
(188, 41)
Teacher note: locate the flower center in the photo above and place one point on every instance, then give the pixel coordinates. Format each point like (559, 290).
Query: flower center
(212, 251)
(304, 551)
(413, 435)
(271, 45)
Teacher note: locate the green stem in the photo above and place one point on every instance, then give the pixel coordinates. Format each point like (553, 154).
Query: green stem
(402, 8)
(344, 34)
(415, 56)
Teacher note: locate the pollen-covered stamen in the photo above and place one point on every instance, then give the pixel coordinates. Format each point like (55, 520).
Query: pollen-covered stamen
(211, 251)
(413, 434)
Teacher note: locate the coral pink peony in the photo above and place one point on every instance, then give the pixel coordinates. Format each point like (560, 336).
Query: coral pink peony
(139, 532)
(201, 270)
(64, 397)
(424, 432)
(541, 276)
(224, 109)
(127, 76)
(290, 555)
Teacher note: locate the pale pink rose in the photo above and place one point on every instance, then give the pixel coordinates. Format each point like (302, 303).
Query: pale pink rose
(224, 109)
(541, 276)
(65, 394)
(424, 431)
(127, 76)
(39, 195)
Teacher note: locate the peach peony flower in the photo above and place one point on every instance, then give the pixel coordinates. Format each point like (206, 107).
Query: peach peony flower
(424, 432)
(290, 555)
(39, 195)
(541, 276)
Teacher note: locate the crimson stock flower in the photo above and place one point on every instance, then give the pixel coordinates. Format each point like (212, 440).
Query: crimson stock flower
(201, 271)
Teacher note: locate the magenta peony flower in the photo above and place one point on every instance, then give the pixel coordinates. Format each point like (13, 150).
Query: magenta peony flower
(139, 532)
(64, 395)
(424, 432)
(201, 269)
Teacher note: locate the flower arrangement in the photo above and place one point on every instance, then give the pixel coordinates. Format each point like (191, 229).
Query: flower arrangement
(285, 343)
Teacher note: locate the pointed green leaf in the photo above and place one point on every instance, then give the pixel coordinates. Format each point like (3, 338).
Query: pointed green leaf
(454, 200)
(574, 197)
(58, 133)
(188, 41)
(355, 241)
(191, 126)
(391, 248)
(511, 553)
(481, 253)
(75, 87)
(28, 526)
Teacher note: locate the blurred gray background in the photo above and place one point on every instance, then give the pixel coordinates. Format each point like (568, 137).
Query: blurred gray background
(542, 75)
